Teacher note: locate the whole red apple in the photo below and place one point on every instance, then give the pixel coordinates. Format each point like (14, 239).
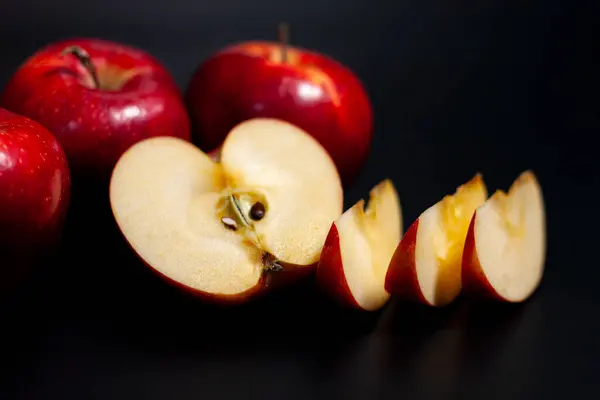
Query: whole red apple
(98, 98)
(307, 89)
(34, 193)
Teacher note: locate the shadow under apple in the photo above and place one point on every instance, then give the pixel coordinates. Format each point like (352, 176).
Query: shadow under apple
(108, 293)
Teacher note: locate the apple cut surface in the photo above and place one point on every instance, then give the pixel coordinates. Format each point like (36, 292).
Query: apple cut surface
(426, 266)
(359, 247)
(506, 246)
(219, 227)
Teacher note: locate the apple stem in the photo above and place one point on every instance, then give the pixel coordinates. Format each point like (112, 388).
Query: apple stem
(84, 58)
(284, 33)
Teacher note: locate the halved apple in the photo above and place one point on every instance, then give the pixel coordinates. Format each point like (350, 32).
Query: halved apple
(358, 250)
(220, 228)
(505, 250)
(426, 265)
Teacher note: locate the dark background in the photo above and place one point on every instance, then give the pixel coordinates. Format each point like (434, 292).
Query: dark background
(494, 86)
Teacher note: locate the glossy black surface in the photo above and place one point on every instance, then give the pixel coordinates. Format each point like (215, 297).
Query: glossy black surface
(458, 87)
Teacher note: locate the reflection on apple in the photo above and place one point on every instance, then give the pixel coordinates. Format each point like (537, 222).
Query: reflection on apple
(35, 186)
(270, 79)
(98, 98)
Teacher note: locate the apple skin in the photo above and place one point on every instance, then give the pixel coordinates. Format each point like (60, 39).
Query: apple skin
(332, 278)
(401, 277)
(309, 90)
(137, 99)
(267, 284)
(260, 289)
(35, 184)
(474, 281)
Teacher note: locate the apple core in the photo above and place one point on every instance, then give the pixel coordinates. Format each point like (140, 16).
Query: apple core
(238, 210)
(457, 211)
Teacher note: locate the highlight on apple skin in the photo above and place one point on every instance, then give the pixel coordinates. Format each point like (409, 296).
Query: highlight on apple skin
(35, 185)
(225, 230)
(260, 79)
(426, 265)
(358, 250)
(98, 98)
(505, 249)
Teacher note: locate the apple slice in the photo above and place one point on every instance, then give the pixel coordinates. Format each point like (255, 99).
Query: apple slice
(505, 250)
(219, 228)
(358, 250)
(426, 266)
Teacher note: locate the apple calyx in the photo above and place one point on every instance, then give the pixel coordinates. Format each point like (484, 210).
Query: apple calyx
(238, 210)
(86, 62)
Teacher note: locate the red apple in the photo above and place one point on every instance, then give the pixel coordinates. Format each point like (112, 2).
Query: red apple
(34, 193)
(426, 266)
(98, 98)
(305, 88)
(505, 248)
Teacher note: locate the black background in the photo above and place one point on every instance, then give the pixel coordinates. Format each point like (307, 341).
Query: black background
(494, 86)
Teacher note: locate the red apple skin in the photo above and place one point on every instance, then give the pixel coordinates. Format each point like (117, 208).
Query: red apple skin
(35, 186)
(401, 278)
(330, 272)
(267, 284)
(260, 289)
(95, 126)
(474, 281)
(244, 81)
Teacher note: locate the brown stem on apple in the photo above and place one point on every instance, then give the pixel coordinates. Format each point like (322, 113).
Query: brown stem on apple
(84, 58)
(284, 33)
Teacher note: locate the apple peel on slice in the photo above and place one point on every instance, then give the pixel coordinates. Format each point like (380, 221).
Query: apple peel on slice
(220, 228)
(358, 250)
(426, 265)
(505, 250)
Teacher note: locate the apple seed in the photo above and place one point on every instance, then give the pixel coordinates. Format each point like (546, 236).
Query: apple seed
(229, 223)
(257, 211)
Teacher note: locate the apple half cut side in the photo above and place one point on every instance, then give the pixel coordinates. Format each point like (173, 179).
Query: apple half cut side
(426, 265)
(505, 250)
(358, 250)
(226, 230)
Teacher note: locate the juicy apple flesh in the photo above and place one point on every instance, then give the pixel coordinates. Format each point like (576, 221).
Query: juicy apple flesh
(219, 227)
(359, 247)
(506, 246)
(429, 267)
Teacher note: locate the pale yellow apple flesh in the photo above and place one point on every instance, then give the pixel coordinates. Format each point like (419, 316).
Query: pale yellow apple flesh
(191, 218)
(441, 239)
(366, 240)
(426, 266)
(507, 247)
